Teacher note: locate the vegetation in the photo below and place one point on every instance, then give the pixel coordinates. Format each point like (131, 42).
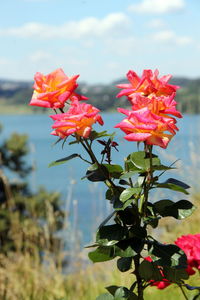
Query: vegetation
(29, 221)
(14, 96)
(25, 279)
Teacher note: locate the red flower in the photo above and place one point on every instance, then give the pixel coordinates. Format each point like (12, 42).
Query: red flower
(78, 119)
(190, 244)
(54, 89)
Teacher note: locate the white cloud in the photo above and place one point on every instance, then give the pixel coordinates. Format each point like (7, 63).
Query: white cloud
(112, 24)
(156, 23)
(121, 46)
(40, 56)
(158, 6)
(169, 37)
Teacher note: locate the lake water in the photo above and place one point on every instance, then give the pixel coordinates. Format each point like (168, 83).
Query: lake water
(85, 200)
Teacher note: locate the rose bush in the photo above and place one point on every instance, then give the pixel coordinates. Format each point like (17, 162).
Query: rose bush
(151, 119)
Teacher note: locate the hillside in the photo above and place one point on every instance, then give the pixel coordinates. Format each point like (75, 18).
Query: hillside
(18, 94)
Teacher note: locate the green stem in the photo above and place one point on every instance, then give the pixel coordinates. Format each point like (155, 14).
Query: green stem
(183, 292)
(148, 178)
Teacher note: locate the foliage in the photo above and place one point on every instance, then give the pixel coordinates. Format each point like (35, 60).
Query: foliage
(29, 221)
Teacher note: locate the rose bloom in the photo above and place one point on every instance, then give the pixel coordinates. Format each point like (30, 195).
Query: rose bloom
(190, 244)
(143, 125)
(54, 89)
(78, 119)
(162, 105)
(149, 84)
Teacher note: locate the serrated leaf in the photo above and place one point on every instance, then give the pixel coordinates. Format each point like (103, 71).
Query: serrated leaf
(63, 160)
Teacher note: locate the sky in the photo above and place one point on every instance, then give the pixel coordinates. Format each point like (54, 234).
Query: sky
(100, 40)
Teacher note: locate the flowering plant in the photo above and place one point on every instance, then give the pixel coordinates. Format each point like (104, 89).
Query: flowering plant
(151, 120)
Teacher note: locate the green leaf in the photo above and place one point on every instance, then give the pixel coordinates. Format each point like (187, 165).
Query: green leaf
(140, 160)
(96, 135)
(123, 182)
(105, 296)
(179, 210)
(129, 192)
(149, 271)
(175, 275)
(128, 174)
(178, 182)
(126, 252)
(110, 234)
(173, 187)
(102, 254)
(168, 255)
(114, 170)
(122, 293)
(112, 289)
(124, 263)
(63, 160)
(94, 173)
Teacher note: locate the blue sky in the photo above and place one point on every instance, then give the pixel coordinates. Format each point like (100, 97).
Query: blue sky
(100, 40)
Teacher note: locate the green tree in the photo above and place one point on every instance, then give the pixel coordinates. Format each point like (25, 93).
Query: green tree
(29, 221)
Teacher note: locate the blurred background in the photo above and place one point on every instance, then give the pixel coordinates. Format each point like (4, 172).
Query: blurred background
(48, 215)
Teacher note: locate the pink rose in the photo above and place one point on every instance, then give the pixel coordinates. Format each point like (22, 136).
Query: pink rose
(147, 85)
(54, 89)
(143, 125)
(78, 119)
(162, 105)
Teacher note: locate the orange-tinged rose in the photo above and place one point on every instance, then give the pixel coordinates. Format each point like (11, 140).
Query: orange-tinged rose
(78, 119)
(159, 105)
(54, 89)
(143, 125)
(149, 84)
